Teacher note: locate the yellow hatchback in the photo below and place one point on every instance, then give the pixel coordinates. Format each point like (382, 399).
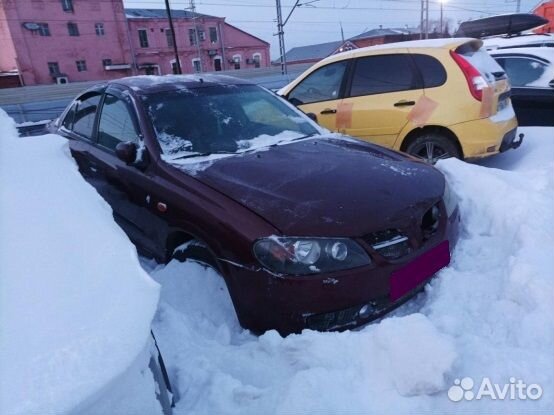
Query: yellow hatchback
(431, 98)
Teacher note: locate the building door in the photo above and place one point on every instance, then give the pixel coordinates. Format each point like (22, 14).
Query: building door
(217, 64)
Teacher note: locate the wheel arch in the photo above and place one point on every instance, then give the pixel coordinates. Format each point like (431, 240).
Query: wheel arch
(434, 129)
(178, 236)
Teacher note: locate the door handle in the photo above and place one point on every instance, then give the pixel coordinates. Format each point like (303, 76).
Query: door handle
(328, 111)
(404, 103)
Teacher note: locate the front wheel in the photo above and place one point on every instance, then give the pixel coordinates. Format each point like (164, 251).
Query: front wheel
(432, 148)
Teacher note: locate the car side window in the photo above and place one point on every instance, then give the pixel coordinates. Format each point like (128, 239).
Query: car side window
(432, 72)
(523, 71)
(67, 121)
(85, 114)
(381, 74)
(116, 123)
(321, 85)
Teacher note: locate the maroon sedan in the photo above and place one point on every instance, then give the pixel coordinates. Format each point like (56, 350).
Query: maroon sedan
(308, 229)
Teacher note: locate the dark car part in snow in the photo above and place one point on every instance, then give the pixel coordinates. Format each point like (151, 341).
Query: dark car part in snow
(164, 393)
(289, 214)
(505, 24)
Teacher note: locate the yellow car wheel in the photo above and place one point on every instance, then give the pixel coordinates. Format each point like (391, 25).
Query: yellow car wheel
(432, 147)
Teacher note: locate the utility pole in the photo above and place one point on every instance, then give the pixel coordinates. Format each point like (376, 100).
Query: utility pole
(424, 20)
(196, 37)
(281, 24)
(518, 6)
(177, 61)
(281, 35)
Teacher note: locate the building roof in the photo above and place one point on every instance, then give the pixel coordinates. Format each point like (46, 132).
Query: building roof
(318, 51)
(383, 32)
(161, 14)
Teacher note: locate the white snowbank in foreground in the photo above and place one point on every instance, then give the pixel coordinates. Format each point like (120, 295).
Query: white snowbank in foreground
(489, 314)
(75, 305)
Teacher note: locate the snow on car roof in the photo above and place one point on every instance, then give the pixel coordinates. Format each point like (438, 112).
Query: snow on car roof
(75, 304)
(496, 42)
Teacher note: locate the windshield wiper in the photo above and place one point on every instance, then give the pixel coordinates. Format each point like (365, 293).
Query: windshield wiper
(187, 156)
(304, 136)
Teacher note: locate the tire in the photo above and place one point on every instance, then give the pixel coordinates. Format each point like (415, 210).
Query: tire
(432, 147)
(196, 251)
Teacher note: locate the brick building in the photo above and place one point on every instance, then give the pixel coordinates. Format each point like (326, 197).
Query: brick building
(546, 10)
(47, 41)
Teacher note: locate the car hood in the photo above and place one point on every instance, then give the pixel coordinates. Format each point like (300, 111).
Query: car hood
(327, 186)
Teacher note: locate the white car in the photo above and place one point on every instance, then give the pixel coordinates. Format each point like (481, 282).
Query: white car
(531, 73)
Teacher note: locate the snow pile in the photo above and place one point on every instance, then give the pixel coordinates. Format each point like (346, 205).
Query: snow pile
(75, 305)
(489, 314)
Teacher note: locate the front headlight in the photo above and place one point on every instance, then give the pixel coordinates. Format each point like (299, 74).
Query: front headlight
(302, 256)
(450, 200)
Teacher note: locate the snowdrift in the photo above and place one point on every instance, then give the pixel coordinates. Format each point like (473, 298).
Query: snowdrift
(489, 314)
(75, 305)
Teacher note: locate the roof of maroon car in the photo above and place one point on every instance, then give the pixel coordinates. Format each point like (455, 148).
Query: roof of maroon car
(151, 83)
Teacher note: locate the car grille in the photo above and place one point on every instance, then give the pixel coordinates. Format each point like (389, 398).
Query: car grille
(390, 243)
(394, 244)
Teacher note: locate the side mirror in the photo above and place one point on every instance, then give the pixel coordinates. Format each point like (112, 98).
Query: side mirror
(312, 116)
(126, 151)
(551, 84)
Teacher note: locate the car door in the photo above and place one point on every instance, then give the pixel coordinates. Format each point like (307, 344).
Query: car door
(381, 92)
(320, 93)
(78, 124)
(127, 187)
(532, 91)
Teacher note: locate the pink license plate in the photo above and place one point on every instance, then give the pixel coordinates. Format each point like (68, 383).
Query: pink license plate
(418, 271)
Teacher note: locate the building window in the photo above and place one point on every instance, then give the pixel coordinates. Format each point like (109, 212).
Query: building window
(257, 59)
(81, 65)
(54, 68)
(213, 34)
(236, 61)
(106, 62)
(192, 36)
(169, 38)
(73, 29)
(67, 5)
(143, 38)
(197, 65)
(99, 29)
(43, 29)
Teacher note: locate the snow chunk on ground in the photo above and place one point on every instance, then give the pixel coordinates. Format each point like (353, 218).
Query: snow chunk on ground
(75, 305)
(489, 314)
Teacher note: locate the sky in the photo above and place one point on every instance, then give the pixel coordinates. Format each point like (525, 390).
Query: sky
(320, 21)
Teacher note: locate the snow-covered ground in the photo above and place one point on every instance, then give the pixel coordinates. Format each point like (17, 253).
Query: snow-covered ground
(490, 314)
(75, 305)
(75, 308)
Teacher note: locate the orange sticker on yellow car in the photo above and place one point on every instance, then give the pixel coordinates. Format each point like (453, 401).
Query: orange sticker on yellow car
(422, 111)
(344, 115)
(486, 102)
